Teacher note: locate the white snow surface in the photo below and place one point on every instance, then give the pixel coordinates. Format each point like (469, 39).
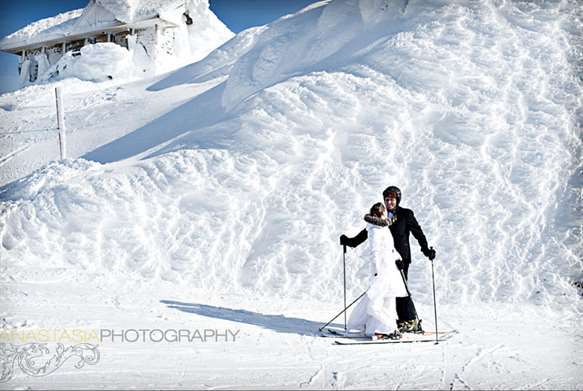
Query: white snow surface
(216, 194)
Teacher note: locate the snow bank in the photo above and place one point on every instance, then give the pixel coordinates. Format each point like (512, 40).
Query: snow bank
(326, 34)
(138, 215)
(207, 32)
(97, 62)
(469, 107)
(53, 175)
(218, 63)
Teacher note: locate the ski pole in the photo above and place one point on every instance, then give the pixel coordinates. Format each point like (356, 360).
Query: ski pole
(343, 311)
(434, 304)
(405, 282)
(344, 264)
(409, 294)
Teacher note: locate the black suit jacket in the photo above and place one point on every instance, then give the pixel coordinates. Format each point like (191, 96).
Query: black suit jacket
(406, 223)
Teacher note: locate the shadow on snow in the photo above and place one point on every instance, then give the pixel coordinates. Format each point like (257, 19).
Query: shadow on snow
(278, 323)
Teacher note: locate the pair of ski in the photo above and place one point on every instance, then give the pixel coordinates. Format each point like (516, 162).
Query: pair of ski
(359, 339)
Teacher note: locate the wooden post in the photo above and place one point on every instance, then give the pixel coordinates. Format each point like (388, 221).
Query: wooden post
(61, 123)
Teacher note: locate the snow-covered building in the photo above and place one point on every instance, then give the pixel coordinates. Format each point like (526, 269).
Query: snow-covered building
(117, 38)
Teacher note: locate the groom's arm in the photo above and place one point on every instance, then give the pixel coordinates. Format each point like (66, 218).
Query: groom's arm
(417, 232)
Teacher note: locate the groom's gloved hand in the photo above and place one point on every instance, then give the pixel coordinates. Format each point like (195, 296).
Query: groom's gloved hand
(400, 264)
(429, 253)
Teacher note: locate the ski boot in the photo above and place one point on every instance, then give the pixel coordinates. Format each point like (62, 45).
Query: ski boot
(410, 326)
(419, 329)
(395, 335)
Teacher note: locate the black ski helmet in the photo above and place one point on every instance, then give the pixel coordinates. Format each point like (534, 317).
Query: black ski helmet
(393, 189)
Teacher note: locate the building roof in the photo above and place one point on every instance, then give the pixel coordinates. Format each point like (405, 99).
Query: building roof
(97, 16)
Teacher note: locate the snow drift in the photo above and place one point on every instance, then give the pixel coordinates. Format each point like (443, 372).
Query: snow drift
(97, 62)
(469, 107)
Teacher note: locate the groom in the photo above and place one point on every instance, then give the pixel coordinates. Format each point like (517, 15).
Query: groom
(404, 224)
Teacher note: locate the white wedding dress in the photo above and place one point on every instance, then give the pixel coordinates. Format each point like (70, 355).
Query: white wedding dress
(377, 311)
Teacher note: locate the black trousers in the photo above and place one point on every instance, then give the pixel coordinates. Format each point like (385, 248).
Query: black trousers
(405, 306)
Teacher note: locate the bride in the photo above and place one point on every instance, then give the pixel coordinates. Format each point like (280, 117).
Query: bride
(376, 313)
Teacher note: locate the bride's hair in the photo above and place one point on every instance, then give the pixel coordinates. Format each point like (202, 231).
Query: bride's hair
(377, 209)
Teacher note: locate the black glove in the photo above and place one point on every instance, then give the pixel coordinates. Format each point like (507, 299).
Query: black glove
(343, 240)
(429, 253)
(400, 264)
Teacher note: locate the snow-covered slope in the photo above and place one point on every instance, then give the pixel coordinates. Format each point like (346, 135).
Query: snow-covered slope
(245, 186)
